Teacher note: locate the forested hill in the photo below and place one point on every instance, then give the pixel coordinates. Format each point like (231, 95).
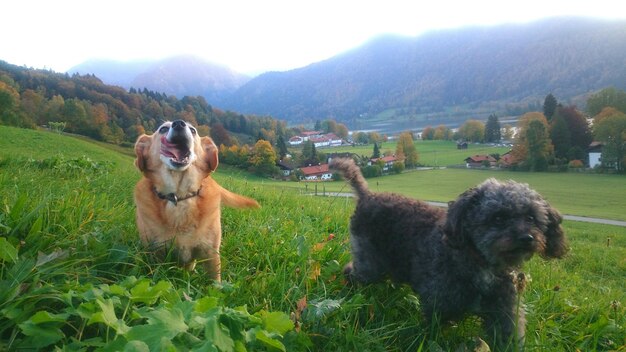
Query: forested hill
(87, 106)
(492, 66)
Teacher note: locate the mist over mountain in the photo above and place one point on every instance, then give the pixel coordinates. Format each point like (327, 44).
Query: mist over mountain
(492, 68)
(180, 76)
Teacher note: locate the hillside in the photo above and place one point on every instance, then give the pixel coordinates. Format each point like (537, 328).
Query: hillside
(179, 76)
(506, 69)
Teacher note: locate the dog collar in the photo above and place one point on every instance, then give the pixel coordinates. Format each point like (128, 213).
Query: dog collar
(172, 197)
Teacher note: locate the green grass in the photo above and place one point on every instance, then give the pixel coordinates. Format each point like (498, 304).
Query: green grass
(74, 277)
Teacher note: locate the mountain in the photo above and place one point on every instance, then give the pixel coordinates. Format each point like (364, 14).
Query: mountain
(180, 76)
(489, 69)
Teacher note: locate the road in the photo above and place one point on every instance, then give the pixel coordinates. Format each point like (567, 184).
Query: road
(566, 217)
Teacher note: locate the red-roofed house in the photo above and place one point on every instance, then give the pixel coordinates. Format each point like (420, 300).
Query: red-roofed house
(387, 160)
(316, 173)
(480, 161)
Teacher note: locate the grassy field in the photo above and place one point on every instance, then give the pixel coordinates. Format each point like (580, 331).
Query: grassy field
(73, 276)
(431, 153)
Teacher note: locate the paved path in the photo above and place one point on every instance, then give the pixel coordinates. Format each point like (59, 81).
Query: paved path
(566, 217)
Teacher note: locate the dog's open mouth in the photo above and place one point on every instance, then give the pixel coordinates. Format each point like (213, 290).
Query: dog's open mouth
(179, 153)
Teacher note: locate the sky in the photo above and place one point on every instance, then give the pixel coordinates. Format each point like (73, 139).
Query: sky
(249, 36)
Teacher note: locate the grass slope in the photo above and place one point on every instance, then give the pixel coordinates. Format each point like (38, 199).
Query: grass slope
(74, 277)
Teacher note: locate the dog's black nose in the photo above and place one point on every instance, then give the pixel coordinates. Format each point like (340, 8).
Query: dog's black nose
(178, 125)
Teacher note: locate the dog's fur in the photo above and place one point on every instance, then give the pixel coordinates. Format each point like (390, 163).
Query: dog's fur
(178, 203)
(460, 261)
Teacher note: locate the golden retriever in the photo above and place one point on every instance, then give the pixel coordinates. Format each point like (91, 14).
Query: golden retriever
(178, 203)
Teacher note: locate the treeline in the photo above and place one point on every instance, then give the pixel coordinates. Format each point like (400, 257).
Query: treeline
(87, 106)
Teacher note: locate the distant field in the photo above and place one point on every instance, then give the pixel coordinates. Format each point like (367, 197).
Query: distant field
(431, 153)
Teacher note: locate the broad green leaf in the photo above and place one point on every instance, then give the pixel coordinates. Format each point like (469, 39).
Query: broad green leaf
(277, 322)
(41, 335)
(205, 304)
(45, 317)
(108, 317)
(136, 346)
(162, 324)
(147, 294)
(265, 338)
(218, 335)
(8, 253)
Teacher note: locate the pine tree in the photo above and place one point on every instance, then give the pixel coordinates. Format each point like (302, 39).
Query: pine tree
(560, 135)
(492, 129)
(376, 153)
(282, 147)
(549, 106)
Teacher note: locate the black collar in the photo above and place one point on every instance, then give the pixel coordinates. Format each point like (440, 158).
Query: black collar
(172, 197)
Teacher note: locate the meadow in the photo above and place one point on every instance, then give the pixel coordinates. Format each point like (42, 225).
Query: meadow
(431, 153)
(74, 277)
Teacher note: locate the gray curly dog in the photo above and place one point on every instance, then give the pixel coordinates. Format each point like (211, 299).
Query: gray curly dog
(458, 261)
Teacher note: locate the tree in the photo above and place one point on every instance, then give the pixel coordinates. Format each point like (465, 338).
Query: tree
(549, 106)
(492, 129)
(442, 132)
(521, 148)
(406, 148)
(538, 145)
(263, 158)
(560, 136)
(472, 131)
(507, 134)
(578, 127)
(609, 97)
(376, 152)
(282, 147)
(611, 130)
(428, 134)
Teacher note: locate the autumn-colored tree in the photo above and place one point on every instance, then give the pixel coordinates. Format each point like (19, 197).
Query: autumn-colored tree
(428, 133)
(405, 148)
(538, 146)
(611, 130)
(342, 131)
(472, 131)
(442, 132)
(263, 159)
(522, 145)
(578, 127)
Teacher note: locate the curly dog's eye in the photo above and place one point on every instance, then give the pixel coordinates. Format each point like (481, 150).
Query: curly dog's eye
(530, 218)
(164, 129)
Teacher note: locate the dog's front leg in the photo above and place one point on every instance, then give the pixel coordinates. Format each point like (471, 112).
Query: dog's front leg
(504, 322)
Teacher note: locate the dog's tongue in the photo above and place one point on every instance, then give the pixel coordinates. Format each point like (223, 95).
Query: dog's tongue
(173, 150)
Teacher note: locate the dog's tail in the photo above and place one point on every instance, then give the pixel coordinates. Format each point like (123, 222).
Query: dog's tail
(235, 200)
(352, 174)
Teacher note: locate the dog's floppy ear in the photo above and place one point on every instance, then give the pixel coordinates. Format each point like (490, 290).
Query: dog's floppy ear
(556, 244)
(142, 146)
(210, 153)
(454, 229)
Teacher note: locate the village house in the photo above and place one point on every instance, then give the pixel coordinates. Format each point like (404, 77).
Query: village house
(595, 154)
(388, 162)
(507, 160)
(480, 161)
(285, 167)
(319, 139)
(316, 173)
